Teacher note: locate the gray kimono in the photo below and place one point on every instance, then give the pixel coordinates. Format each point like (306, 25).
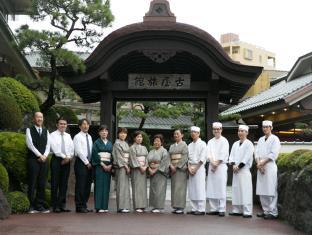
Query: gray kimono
(121, 158)
(179, 158)
(138, 155)
(158, 183)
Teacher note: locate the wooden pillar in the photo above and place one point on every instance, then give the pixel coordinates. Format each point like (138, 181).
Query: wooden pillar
(107, 107)
(212, 105)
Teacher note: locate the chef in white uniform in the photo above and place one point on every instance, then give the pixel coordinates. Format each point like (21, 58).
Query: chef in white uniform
(218, 154)
(197, 173)
(241, 159)
(267, 151)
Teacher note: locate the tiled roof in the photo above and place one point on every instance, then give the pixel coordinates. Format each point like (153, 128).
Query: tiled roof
(155, 122)
(275, 93)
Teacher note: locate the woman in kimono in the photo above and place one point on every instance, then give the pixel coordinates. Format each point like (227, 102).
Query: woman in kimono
(158, 168)
(138, 163)
(121, 164)
(178, 168)
(102, 162)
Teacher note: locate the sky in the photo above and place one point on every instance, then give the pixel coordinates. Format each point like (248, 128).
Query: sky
(280, 26)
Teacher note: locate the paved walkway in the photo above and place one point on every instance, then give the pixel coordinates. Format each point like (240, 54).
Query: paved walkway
(139, 224)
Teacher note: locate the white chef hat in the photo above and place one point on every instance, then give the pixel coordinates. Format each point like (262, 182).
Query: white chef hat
(217, 125)
(243, 127)
(267, 123)
(195, 129)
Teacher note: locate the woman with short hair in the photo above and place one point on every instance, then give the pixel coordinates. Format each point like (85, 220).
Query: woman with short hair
(121, 163)
(178, 169)
(158, 163)
(102, 162)
(138, 163)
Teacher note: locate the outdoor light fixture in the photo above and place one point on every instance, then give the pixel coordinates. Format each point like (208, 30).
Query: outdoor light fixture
(262, 115)
(273, 113)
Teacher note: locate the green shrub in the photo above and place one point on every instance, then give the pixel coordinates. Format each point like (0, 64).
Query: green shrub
(295, 160)
(49, 119)
(18, 201)
(68, 114)
(13, 152)
(24, 98)
(4, 179)
(11, 116)
(146, 141)
(48, 198)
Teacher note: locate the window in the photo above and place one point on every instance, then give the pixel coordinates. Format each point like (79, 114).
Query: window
(248, 54)
(235, 50)
(260, 59)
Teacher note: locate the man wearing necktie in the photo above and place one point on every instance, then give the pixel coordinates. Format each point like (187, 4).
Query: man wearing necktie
(62, 147)
(83, 168)
(37, 141)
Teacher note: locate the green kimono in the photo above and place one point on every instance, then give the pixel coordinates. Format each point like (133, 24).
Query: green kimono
(102, 178)
(179, 158)
(121, 158)
(158, 183)
(138, 154)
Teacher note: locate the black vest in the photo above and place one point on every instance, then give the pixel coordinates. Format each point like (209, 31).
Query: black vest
(40, 142)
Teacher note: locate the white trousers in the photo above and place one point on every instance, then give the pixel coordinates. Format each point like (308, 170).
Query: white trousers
(218, 205)
(245, 209)
(198, 205)
(269, 204)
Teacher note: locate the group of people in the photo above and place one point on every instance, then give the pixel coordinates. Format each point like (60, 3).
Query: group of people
(132, 165)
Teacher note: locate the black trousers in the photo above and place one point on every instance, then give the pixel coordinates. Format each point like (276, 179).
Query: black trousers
(83, 184)
(59, 182)
(37, 177)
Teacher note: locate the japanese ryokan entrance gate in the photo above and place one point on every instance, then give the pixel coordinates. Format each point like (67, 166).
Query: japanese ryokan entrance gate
(161, 59)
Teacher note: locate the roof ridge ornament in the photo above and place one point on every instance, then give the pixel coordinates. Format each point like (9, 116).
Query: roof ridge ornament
(159, 11)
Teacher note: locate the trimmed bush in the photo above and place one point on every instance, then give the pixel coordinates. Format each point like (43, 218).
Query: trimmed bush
(24, 98)
(146, 141)
(48, 198)
(4, 179)
(13, 152)
(68, 114)
(11, 116)
(292, 161)
(18, 201)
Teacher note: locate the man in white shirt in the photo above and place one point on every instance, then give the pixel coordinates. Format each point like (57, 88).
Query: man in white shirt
(62, 147)
(267, 151)
(197, 173)
(241, 159)
(83, 168)
(218, 154)
(37, 141)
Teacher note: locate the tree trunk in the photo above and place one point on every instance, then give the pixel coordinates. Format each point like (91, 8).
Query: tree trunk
(50, 101)
(146, 110)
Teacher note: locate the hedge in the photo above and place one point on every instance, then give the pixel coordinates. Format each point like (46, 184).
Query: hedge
(13, 152)
(295, 160)
(4, 179)
(11, 116)
(24, 98)
(18, 201)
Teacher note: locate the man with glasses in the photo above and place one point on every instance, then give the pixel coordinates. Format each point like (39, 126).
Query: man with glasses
(218, 154)
(267, 151)
(62, 147)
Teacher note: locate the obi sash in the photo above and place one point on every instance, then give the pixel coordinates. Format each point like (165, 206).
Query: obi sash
(141, 160)
(105, 156)
(126, 157)
(175, 158)
(154, 164)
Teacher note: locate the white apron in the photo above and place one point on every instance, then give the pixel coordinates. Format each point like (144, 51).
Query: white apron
(196, 185)
(242, 187)
(216, 182)
(267, 182)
